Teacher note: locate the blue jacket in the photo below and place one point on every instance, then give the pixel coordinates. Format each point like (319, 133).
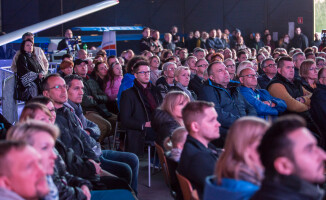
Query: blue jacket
(256, 97)
(230, 189)
(229, 104)
(215, 43)
(126, 83)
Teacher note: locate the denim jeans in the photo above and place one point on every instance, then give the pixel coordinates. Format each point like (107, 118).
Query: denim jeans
(122, 164)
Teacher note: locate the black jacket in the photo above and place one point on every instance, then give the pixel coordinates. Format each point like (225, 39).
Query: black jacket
(196, 84)
(318, 107)
(134, 113)
(71, 134)
(163, 124)
(68, 185)
(306, 85)
(197, 162)
(263, 81)
(286, 188)
(145, 44)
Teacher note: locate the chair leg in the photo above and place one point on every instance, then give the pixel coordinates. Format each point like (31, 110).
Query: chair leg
(149, 166)
(114, 136)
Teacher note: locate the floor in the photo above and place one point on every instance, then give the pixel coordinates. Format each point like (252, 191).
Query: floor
(158, 190)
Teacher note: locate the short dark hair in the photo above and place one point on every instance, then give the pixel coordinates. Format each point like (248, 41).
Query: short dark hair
(281, 60)
(44, 84)
(132, 62)
(264, 62)
(27, 34)
(40, 99)
(66, 56)
(240, 53)
(22, 46)
(275, 143)
(193, 111)
(72, 77)
(210, 66)
(138, 64)
(5, 148)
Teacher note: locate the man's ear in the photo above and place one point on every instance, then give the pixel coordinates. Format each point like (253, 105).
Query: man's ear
(5, 183)
(241, 80)
(194, 126)
(279, 70)
(284, 166)
(46, 93)
(211, 77)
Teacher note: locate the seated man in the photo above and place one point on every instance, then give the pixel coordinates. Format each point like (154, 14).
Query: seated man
(94, 102)
(196, 83)
(270, 69)
(318, 99)
(284, 86)
(229, 102)
(21, 178)
(198, 157)
(122, 164)
(293, 162)
(264, 103)
(137, 105)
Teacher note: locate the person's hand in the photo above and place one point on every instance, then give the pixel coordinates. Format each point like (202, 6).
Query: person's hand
(273, 104)
(86, 191)
(87, 132)
(148, 124)
(97, 167)
(266, 102)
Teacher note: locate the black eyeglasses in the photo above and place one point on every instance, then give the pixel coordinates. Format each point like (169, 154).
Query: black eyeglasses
(228, 66)
(143, 73)
(203, 65)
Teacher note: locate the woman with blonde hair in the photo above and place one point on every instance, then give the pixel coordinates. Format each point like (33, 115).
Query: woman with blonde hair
(168, 116)
(309, 75)
(239, 172)
(182, 79)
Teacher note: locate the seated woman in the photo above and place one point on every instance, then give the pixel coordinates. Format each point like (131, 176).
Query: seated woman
(174, 145)
(168, 116)
(29, 72)
(182, 78)
(66, 68)
(112, 82)
(239, 172)
(309, 74)
(154, 63)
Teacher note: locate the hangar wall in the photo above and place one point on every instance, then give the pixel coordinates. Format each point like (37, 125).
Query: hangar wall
(247, 15)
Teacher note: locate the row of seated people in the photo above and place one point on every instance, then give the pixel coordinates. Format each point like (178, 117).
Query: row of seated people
(138, 97)
(178, 79)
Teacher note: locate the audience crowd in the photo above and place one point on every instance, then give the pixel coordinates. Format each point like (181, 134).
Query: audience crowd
(238, 118)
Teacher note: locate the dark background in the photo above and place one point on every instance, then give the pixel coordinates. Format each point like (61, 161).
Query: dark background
(247, 15)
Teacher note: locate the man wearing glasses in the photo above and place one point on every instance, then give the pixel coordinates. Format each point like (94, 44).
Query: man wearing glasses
(196, 83)
(264, 103)
(270, 68)
(229, 102)
(136, 107)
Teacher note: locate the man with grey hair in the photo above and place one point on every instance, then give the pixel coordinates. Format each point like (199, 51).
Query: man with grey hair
(317, 40)
(167, 43)
(298, 58)
(320, 62)
(229, 103)
(270, 69)
(38, 52)
(165, 82)
(199, 53)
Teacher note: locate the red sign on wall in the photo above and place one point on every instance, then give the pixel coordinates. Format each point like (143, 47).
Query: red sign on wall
(300, 20)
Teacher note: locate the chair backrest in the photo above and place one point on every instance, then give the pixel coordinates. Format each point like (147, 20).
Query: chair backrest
(9, 106)
(163, 163)
(186, 187)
